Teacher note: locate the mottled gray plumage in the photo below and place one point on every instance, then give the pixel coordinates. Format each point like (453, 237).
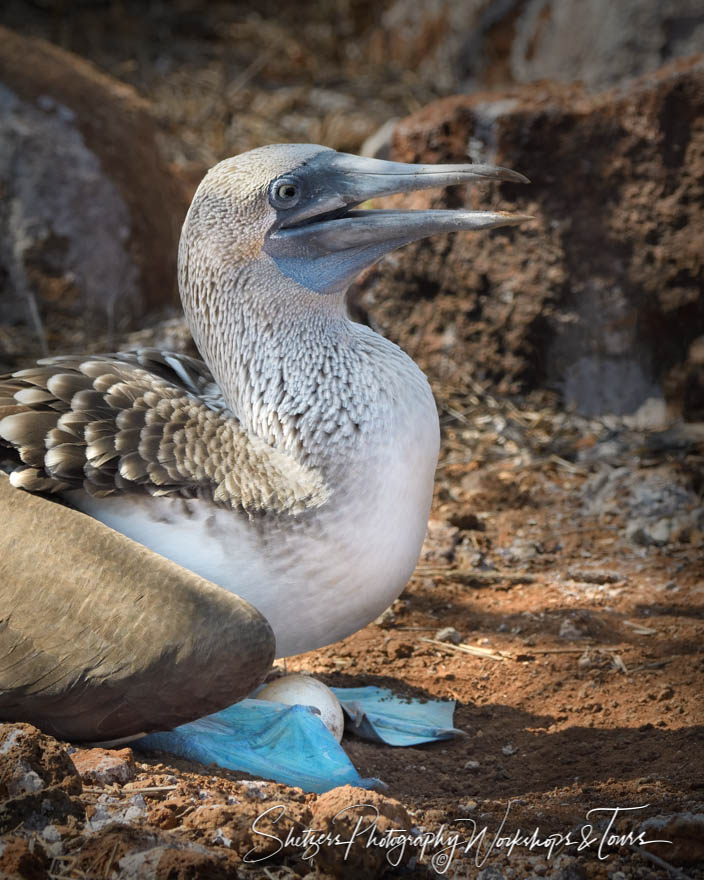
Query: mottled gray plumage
(145, 421)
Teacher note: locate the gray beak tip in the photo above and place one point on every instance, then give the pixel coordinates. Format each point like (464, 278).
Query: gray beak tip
(495, 172)
(510, 176)
(516, 219)
(520, 178)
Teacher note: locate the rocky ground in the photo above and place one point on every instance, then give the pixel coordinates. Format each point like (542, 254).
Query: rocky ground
(560, 595)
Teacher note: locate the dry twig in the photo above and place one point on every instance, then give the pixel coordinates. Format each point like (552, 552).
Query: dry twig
(464, 648)
(639, 629)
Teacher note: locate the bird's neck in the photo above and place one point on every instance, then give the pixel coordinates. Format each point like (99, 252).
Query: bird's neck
(291, 365)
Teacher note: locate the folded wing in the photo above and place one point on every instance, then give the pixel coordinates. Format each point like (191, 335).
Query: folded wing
(143, 421)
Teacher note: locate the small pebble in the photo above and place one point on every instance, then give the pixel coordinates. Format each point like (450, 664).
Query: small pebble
(585, 660)
(386, 619)
(468, 806)
(490, 873)
(448, 634)
(50, 833)
(569, 631)
(100, 766)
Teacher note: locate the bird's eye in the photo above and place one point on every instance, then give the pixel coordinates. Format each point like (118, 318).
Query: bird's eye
(284, 193)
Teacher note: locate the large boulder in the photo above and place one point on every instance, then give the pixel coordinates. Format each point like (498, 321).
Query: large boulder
(494, 43)
(602, 295)
(89, 214)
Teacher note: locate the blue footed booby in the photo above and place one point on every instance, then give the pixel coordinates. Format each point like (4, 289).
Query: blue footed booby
(294, 465)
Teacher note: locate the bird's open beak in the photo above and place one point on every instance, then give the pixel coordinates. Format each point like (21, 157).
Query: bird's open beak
(325, 241)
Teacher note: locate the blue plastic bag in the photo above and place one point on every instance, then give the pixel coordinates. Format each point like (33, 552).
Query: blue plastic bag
(291, 745)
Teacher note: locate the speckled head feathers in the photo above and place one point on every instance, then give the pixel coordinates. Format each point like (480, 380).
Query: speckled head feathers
(251, 172)
(231, 207)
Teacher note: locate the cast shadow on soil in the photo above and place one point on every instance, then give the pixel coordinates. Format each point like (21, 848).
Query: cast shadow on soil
(596, 626)
(541, 759)
(670, 610)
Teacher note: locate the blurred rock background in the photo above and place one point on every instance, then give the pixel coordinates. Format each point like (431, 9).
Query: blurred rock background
(106, 128)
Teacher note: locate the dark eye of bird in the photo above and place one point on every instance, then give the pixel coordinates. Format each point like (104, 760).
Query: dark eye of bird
(285, 193)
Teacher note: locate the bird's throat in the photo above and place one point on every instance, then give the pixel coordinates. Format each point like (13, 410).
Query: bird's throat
(291, 365)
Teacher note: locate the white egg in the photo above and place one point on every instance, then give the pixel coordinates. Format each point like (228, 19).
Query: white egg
(303, 690)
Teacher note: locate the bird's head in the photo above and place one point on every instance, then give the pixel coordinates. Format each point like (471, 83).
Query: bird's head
(297, 205)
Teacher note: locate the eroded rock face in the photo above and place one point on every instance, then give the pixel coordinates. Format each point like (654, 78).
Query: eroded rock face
(39, 784)
(22, 858)
(598, 42)
(601, 296)
(89, 215)
(31, 762)
(362, 816)
(104, 766)
(495, 43)
(685, 831)
(138, 854)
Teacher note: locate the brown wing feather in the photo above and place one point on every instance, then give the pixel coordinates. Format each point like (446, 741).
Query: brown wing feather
(137, 422)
